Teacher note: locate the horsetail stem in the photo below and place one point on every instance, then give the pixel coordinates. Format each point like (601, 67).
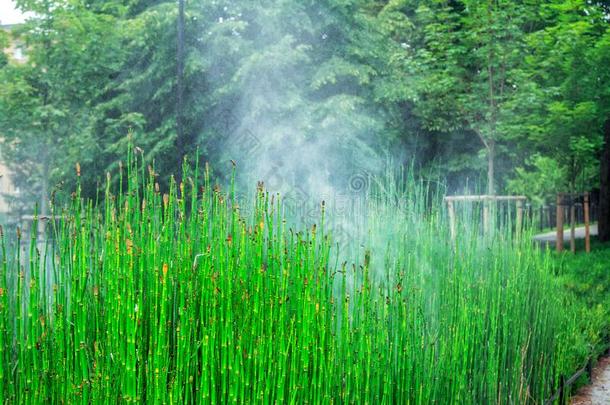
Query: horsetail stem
(176, 297)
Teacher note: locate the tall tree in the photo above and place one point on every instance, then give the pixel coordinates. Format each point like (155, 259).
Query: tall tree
(181, 142)
(459, 62)
(45, 102)
(562, 101)
(255, 74)
(4, 42)
(604, 195)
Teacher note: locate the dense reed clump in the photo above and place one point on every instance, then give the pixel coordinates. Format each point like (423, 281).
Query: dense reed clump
(177, 298)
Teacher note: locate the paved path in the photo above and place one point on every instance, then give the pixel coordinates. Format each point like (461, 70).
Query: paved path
(579, 233)
(598, 393)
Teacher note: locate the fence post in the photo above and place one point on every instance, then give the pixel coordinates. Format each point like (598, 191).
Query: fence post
(587, 229)
(572, 226)
(561, 389)
(559, 242)
(451, 219)
(485, 216)
(519, 216)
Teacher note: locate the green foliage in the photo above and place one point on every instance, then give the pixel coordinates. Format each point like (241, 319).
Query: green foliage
(248, 68)
(566, 71)
(46, 103)
(541, 181)
(4, 42)
(465, 84)
(587, 278)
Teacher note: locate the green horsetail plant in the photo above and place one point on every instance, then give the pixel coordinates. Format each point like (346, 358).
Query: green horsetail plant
(176, 297)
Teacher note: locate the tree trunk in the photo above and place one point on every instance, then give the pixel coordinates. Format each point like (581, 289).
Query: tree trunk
(180, 141)
(43, 209)
(604, 188)
(491, 157)
(44, 191)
